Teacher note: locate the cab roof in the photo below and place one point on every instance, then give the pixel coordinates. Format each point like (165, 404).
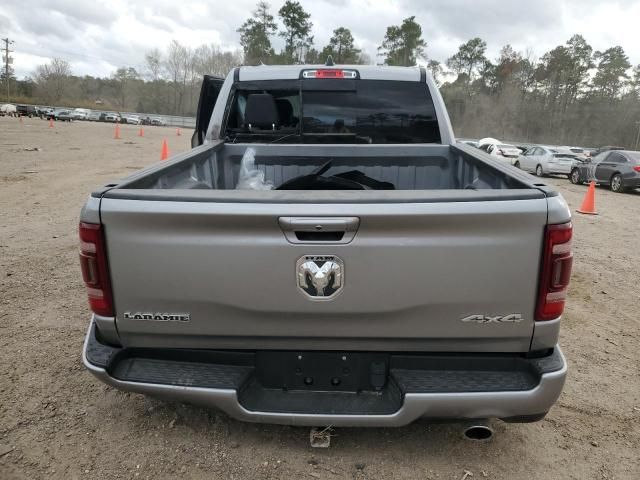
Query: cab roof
(292, 72)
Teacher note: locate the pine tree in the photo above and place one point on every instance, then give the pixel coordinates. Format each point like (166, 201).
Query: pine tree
(403, 44)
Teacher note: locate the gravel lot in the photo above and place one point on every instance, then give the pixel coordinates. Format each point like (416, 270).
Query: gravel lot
(56, 421)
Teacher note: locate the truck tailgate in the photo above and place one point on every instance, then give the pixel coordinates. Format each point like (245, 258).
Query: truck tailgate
(458, 276)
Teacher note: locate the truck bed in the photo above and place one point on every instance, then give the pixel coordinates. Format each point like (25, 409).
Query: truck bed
(407, 167)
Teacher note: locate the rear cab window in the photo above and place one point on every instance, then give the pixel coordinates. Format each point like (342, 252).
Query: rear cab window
(339, 111)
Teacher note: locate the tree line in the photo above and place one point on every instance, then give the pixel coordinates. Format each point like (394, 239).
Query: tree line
(570, 95)
(168, 83)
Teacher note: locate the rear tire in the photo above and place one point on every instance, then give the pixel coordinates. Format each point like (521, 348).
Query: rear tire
(539, 172)
(616, 184)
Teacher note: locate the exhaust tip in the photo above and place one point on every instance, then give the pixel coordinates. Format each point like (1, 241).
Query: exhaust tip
(478, 433)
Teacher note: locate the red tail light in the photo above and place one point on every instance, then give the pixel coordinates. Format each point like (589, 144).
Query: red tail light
(95, 273)
(637, 168)
(556, 271)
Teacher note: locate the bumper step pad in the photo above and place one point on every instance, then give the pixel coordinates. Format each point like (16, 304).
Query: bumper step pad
(171, 372)
(432, 381)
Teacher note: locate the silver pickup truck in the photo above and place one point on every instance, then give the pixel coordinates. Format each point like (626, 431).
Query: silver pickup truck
(327, 254)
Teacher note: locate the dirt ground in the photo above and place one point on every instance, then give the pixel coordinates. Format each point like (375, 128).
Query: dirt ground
(57, 421)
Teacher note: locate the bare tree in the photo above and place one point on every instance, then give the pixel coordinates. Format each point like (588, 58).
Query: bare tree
(153, 60)
(52, 79)
(123, 80)
(211, 60)
(177, 67)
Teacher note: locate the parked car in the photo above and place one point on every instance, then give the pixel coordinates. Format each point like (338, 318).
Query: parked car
(65, 115)
(81, 113)
(131, 119)
(43, 111)
(26, 111)
(580, 153)
(94, 116)
(8, 109)
(158, 122)
(544, 160)
(111, 117)
(473, 143)
(62, 114)
(620, 170)
(431, 284)
(505, 152)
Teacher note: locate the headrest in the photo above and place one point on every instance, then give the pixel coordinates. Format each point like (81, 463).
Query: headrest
(261, 111)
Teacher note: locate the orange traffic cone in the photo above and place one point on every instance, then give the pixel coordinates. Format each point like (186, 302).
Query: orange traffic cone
(116, 135)
(51, 123)
(164, 154)
(178, 132)
(141, 132)
(589, 203)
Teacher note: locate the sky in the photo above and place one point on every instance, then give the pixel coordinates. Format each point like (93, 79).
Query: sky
(98, 36)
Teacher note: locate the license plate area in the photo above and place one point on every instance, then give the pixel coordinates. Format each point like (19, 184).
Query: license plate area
(322, 371)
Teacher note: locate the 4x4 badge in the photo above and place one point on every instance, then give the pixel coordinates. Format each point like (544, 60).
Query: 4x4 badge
(511, 318)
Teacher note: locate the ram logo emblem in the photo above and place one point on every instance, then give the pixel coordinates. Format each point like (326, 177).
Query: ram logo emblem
(320, 277)
(511, 318)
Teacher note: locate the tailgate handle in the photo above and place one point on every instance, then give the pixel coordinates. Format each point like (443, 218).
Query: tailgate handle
(319, 229)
